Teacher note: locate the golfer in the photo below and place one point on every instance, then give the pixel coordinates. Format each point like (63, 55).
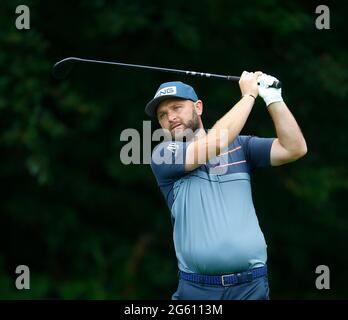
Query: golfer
(204, 176)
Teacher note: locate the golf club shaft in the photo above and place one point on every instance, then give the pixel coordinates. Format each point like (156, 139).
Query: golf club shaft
(177, 71)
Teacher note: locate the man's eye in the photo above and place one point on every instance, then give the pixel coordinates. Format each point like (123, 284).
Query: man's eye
(177, 107)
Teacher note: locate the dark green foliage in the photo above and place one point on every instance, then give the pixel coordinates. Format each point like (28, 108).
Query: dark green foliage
(89, 226)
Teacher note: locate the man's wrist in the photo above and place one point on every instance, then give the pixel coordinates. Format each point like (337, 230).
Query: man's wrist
(272, 99)
(249, 95)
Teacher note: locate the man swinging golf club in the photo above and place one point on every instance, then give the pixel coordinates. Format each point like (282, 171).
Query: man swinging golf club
(205, 179)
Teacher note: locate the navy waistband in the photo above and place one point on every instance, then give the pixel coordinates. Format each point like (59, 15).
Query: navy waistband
(226, 279)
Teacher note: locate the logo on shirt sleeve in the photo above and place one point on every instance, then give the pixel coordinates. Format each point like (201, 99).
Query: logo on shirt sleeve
(173, 147)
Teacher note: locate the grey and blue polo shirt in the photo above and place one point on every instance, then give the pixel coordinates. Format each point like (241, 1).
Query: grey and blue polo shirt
(215, 227)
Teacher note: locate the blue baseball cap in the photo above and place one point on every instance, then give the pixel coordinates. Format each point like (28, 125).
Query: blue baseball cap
(174, 89)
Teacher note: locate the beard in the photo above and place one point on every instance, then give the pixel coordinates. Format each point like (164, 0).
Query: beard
(188, 130)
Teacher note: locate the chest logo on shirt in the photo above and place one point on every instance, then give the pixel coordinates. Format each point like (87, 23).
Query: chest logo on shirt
(173, 147)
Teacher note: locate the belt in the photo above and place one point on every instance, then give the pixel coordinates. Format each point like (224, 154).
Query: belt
(226, 279)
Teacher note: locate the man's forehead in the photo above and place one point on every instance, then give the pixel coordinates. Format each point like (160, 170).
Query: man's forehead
(169, 103)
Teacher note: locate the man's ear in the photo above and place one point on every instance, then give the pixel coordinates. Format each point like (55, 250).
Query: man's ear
(199, 107)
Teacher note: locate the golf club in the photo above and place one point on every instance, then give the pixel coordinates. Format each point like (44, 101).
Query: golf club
(63, 67)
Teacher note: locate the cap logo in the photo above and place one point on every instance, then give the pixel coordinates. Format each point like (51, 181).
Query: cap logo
(166, 91)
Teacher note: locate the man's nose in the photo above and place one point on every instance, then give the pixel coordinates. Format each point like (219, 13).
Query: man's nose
(171, 116)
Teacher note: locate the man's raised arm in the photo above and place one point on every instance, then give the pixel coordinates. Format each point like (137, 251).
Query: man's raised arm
(290, 144)
(227, 128)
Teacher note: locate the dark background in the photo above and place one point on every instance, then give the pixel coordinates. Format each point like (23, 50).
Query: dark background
(90, 227)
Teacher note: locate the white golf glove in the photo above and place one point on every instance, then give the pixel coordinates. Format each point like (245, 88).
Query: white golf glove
(269, 94)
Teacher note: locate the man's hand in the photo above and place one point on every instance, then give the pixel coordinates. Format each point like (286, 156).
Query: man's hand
(248, 83)
(269, 94)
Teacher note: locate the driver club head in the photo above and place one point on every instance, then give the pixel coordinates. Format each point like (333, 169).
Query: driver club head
(62, 68)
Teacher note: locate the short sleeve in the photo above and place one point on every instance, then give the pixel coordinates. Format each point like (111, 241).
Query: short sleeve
(168, 161)
(257, 150)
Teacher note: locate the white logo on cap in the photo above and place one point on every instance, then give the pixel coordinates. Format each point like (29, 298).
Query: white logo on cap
(165, 91)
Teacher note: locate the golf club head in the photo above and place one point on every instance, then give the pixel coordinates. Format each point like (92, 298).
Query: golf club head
(63, 67)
